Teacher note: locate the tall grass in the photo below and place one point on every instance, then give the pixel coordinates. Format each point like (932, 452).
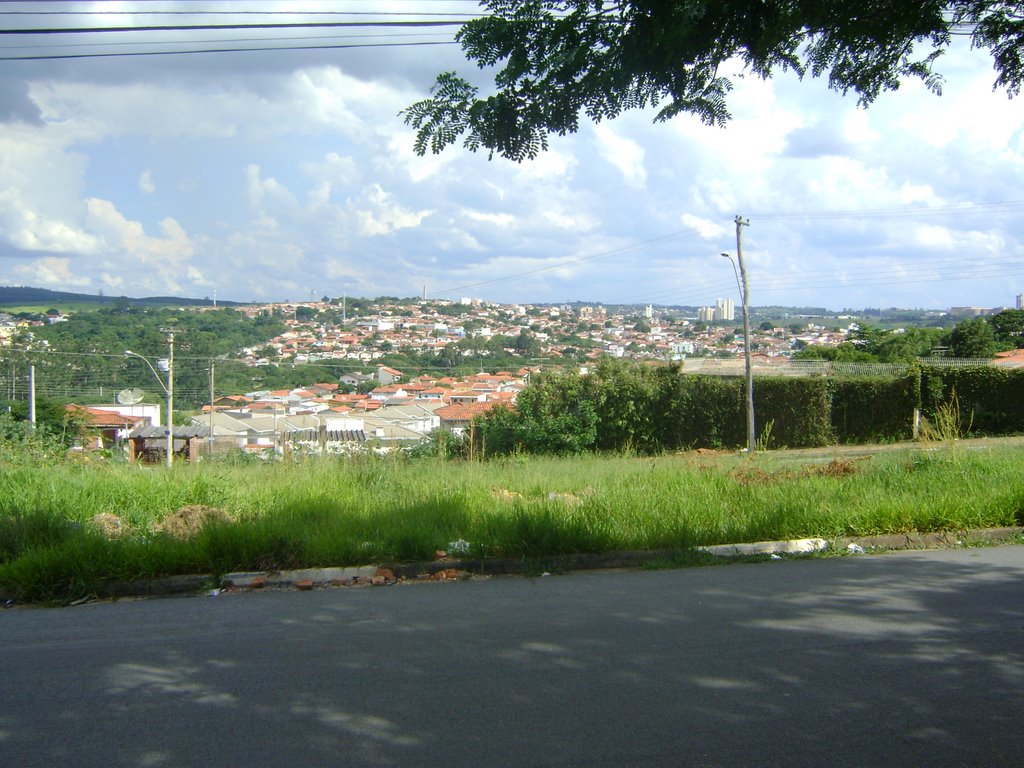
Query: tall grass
(357, 511)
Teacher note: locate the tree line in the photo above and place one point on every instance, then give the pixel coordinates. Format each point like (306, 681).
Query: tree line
(975, 338)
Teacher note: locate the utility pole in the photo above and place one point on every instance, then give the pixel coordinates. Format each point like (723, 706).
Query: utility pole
(170, 396)
(748, 366)
(209, 439)
(32, 396)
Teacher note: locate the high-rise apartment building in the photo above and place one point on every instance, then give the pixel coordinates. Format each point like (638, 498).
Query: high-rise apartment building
(725, 309)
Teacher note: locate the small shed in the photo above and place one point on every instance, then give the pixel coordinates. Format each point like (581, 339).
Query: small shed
(148, 444)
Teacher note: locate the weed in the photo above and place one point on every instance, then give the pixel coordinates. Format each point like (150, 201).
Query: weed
(948, 425)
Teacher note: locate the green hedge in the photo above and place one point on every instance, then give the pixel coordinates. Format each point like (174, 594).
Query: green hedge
(874, 409)
(991, 399)
(792, 412)
(626, 406)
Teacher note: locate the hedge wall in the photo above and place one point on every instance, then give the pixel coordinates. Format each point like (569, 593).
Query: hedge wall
(991, 399)
(796, 409)
(624, 406)
(874, 409)
(709, 413)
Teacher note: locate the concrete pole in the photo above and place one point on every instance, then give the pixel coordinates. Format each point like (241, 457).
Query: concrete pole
(32, 396)
(209, 439)
(170, 397)
(748, 365)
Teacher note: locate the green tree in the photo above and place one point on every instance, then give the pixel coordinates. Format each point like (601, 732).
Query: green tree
(973, 338)
(1008, 327)
(555, 414)
(558, 59)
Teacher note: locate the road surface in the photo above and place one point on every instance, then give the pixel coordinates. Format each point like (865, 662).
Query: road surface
(905, 659)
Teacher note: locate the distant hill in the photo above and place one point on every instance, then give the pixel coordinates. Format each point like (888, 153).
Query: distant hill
(19, 296)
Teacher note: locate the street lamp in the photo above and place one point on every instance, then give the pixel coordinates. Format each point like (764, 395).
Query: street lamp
(744, 289)
(168, 390)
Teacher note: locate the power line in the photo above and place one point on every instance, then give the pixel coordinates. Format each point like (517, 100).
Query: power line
(121, 54)
(243, 13)
(227, 40)
(220, 27)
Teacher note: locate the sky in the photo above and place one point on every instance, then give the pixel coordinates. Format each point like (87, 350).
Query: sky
(286, 175)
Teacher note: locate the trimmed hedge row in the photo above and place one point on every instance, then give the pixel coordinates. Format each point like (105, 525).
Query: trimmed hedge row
(647, 409)
(991, 399)
(874, 409)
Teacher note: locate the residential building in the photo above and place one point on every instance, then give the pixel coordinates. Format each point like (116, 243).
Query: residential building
(724, 309)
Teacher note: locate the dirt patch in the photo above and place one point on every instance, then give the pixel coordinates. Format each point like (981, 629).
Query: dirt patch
(753, 476)
(110, 525)
(837, 468)
(190, 520)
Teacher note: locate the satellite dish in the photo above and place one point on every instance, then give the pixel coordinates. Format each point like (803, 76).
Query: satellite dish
(130, 396)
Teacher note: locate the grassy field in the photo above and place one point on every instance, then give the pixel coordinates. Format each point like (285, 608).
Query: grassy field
(68, 527)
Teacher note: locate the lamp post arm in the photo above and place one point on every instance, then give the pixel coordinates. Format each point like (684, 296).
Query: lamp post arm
(129, 353)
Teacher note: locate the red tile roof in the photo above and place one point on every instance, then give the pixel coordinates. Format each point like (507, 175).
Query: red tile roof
(463, 411)
(95, 417)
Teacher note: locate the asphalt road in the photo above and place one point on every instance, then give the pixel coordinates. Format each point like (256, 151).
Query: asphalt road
(908, 659)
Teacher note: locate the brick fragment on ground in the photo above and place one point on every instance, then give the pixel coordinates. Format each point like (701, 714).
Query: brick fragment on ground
(304, 584)
(258, 582)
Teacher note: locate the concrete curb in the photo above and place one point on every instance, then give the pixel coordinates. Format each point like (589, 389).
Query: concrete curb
(795, 546)
(450, 568)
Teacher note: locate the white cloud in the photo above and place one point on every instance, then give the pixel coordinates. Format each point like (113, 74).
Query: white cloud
(146, 185)
(51, 271)
(622, 152)
(709, 230)
(268, 195)
(380, 215)
(497, 219)
(166, 256)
